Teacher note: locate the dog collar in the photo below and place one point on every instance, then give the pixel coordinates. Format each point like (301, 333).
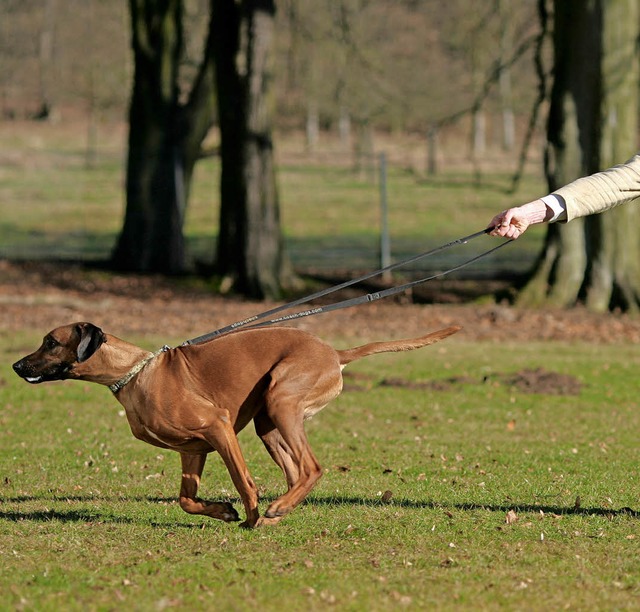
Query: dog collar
(117, 386)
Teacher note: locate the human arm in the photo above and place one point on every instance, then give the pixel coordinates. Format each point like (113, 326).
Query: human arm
(585, 196)
(602, 191)
(513, 222)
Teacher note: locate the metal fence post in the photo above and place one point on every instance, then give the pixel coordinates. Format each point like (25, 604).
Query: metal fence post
(385, 241)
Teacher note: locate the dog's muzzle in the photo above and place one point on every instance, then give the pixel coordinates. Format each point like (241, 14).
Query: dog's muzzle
(25, 370)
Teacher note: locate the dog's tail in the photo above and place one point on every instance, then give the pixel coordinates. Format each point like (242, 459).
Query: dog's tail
(410, 344)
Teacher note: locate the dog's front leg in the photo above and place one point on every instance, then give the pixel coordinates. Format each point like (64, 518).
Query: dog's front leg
(192, 466)
(224, 440)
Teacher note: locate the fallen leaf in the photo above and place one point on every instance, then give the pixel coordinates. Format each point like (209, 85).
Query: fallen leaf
(404, 600)
(511, 517)
(327, 597)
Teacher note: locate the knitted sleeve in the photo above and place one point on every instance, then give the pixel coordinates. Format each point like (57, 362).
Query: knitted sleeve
(603, 190)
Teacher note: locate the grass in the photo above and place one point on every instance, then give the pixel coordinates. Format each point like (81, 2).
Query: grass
(89, 519)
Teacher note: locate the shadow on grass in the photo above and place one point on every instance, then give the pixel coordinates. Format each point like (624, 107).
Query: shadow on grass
(93, 516)
(63, 516)
(465, 507)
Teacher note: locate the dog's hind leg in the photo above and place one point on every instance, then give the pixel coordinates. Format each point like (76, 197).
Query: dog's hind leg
(289, 399)
(307, 467)
(276, 447)
(192, 466)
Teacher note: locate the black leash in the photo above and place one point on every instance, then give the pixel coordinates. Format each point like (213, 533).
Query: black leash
(251, 322)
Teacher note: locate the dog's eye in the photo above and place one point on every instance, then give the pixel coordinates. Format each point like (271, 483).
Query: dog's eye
(50, 343)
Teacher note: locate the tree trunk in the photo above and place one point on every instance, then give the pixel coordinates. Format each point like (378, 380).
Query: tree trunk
(432, 150)
(592, 125)
(164, 140)
(151, 239)
(45, 57)
(250, 251)
(504, 82)
(364, 152)
(312, 126)
(615, 262)
(344, 128)
(478, 134)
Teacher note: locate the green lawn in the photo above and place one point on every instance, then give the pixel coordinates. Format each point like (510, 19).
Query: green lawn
(412, 510)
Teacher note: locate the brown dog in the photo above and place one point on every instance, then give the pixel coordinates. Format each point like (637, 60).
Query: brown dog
(195, 399)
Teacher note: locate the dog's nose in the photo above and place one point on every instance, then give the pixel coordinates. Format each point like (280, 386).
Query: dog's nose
(18, 367)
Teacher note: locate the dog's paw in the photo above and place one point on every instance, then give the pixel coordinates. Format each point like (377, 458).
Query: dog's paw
(230, 514)
(263, 521)
(223, 511)
(276, 512)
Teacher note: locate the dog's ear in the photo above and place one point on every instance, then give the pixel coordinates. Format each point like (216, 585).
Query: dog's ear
(91, 338)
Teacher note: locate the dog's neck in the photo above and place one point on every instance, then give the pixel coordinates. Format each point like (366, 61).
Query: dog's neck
(126, 379)
(111, 362)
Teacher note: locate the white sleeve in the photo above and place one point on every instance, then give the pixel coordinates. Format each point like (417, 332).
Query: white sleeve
(557, 206)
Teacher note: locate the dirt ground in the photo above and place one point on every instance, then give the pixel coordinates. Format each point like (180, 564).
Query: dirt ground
(41, 296)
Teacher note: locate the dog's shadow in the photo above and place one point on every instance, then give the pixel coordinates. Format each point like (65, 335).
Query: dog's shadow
(85, 515)
(82, 515)
(469, 507)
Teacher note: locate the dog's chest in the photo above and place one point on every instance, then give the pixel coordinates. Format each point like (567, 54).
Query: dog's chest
(161, 428)
(168, 438)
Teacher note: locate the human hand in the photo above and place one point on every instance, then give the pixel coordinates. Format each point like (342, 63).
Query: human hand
(513, 222)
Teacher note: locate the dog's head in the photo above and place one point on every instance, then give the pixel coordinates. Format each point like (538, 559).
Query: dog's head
(61, 350)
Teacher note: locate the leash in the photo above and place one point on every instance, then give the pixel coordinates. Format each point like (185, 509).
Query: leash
(257, 320)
